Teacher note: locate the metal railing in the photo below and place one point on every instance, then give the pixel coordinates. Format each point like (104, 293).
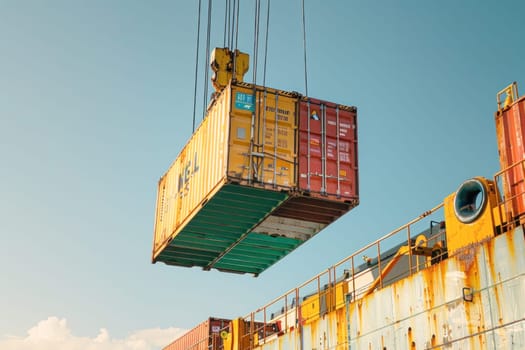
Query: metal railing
(511, 93)
(511, 203)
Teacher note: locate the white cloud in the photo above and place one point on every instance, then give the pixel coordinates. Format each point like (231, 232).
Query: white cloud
(54, 334)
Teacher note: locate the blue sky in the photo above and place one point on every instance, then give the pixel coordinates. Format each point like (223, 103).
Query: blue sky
(96, 101)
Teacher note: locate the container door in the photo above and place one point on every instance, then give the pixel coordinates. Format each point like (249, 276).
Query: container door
(327, 150)
(262, 137)
(276, 125)
(241, 134)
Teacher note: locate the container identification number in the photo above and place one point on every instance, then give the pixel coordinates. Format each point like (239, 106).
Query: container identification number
(244, 101)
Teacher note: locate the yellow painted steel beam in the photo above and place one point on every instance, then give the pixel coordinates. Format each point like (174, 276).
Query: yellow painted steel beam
(421, 242)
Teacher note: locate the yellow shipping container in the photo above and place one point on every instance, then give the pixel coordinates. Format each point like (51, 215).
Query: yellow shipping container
(236, 168)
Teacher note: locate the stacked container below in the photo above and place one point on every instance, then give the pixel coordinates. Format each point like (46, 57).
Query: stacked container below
(205, 336)
(264, 172)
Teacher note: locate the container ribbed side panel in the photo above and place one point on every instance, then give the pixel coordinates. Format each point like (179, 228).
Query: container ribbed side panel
(256, 252)
(510, 129)
(205, 336)
(224, 220)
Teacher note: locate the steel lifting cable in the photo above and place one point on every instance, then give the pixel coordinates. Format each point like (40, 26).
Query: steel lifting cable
(208, 33)
(236, 31)
(304, 47)
(256, 40)
(226, 23)
(266, 42)
(256, 113)
(196, 66)
(230, 19)
(237, 25)
(232, 24)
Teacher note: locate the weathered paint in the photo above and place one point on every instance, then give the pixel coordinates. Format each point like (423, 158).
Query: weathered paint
(327, 161)
(220, 186)
(460, 234)
(224, 204)
(327, 332)
(280, 226)
(302, 217)
(324, 211)
(205, 336)
(472, 299)
(427, 309)
(510, 130)
(219, 153)
(262, 137)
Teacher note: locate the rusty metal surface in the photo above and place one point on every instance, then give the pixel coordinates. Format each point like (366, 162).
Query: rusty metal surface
(323, 211)
(431, 309)
(510, 130)
(204, 336)
(327, 154)
(472, 300)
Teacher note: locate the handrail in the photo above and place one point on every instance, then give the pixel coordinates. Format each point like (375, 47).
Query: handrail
(388, 235)
(511, 92)
(512, 200)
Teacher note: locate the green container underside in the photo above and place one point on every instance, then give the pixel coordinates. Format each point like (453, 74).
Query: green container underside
(220, 236)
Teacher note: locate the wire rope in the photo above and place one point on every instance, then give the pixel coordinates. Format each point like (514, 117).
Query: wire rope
(226, 11)
(196, 66)
(205, 93)
(304, 48)
(236, 32)
(256, 39)
(266, 42)
(237, 25)
(232, 23)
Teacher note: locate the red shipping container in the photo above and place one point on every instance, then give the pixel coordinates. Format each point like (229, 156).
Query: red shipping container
(327, 172)
(510, 128)
(328, 151)
(205, 336)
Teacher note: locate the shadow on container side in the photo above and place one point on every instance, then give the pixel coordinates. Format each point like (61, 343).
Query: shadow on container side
(264, 172)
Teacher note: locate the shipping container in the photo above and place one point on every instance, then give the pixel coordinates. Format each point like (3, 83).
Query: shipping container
(259, 177)
(510, 128)
(238, 167)
(205, 336)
